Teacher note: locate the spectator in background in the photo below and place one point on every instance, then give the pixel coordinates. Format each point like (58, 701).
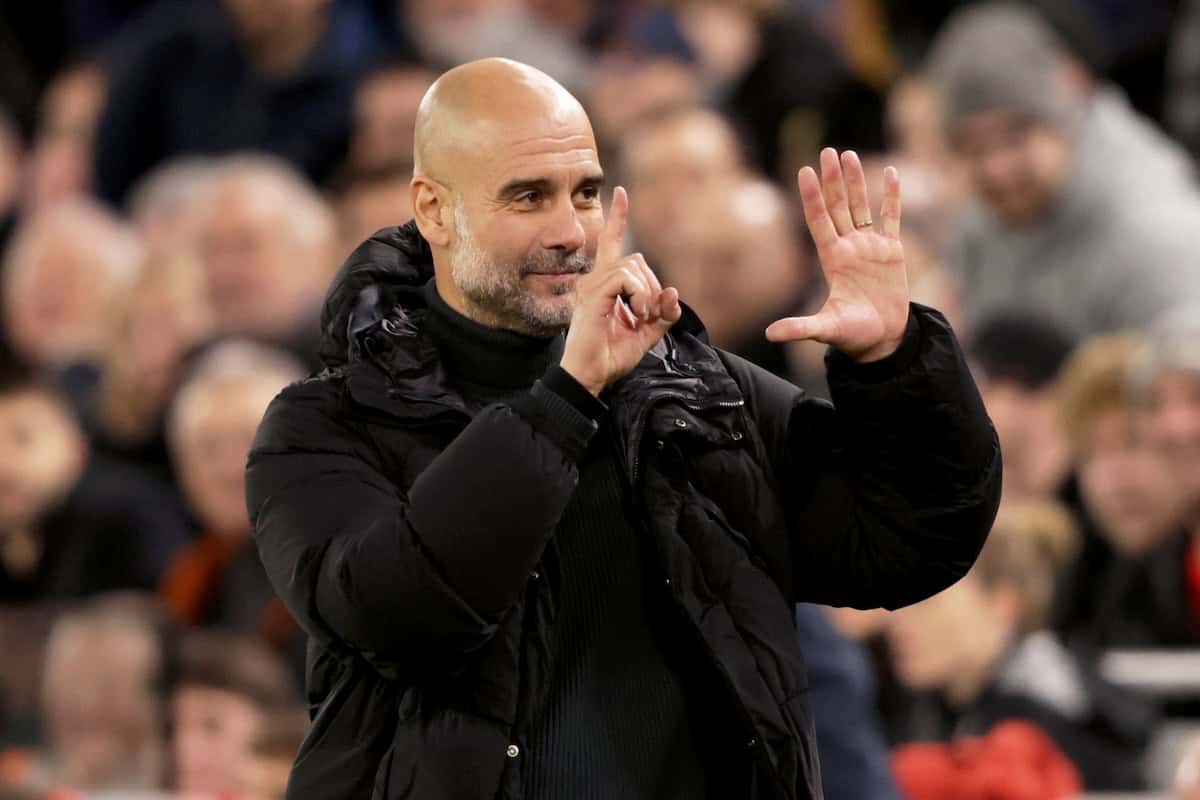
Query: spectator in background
(164, 318)
(226, 688)
(368, 200)
(1170, 381)
(60, 158)
(451, 32)
(73, 524)
(1015, 359)
(841, 688)
(751, 55)
(1086, 213)
(272, 753)
(735, 258)
(267, 243)
(209, 78)
(64, 271)
(670, 157)
(626, 91)
(385, 116)
(982, 648)
(1129, 587)
(102, 698)
(219, 579)
(163, 204)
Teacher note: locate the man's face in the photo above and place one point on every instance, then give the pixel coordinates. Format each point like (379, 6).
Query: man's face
(41, 455)
(527, 224)
(1174, 426)
(1034, 449)
(362, 210)
(1017, 166)
(1127, 485)
(214, 729)
(213, 444)
(57, 302)
(670, 164)
(99, 704)
(251, 261)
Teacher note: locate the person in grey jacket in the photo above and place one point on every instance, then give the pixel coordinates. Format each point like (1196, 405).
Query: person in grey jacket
(1086, 213)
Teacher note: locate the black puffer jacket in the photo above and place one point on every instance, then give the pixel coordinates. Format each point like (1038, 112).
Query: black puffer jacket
(412, 537)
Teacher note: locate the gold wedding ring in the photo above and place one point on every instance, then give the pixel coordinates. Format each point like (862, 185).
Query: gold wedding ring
(865, 224)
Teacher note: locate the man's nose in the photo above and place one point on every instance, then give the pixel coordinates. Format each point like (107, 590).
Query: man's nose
(565, 230)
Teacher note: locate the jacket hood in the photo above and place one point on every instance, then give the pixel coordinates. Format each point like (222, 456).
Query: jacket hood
(388, 271)
(382, 273)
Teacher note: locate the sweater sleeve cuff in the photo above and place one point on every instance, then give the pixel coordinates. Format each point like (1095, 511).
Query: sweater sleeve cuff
(549, 412)
(885, 368)
(563, 384)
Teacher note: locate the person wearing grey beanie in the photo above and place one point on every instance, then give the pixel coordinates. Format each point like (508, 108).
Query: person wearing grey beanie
(1085, 212)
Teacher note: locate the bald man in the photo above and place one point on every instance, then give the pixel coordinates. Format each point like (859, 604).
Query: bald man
(544, 538)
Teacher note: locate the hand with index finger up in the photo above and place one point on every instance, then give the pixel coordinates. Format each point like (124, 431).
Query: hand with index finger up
(609, 336)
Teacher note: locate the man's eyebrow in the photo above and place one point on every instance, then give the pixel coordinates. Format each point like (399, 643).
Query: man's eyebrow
(521, 185)
(593, 181)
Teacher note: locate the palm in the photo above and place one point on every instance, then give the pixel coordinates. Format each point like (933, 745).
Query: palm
(867, 309)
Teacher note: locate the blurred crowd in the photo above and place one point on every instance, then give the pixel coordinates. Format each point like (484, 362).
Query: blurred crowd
(180, 180)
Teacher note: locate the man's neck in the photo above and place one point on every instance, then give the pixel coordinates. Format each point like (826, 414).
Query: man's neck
(485, 356)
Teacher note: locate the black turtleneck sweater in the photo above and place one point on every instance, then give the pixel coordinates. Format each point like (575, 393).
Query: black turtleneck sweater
(615, 721)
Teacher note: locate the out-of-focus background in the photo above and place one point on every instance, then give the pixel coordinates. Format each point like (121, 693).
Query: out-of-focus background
(179, 180)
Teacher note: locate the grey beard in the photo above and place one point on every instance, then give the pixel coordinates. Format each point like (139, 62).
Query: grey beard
(493, 293)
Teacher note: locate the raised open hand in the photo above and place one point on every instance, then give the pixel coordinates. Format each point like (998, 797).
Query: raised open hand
(866, 313)
(607, 337)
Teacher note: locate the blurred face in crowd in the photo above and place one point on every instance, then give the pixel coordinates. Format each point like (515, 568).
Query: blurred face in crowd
(511, 203)
(64, 275)
(100, 707)
(734, 259)
(385, 115)
(1127, 484)
(264, 274)
(1016, 165)
(950, 641)
(60, 162)
(1035, 452)
(1174, 426)
(165, 316)
(213, 729)
(667, 164)
(216, 423)
(369, 205)
(42, 453)
(621, 94)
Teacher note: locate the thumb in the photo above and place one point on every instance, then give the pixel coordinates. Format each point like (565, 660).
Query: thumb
(608, 250)
(818, 327)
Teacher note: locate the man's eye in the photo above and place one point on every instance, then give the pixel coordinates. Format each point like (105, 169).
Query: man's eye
(529, 197)
(589, 193)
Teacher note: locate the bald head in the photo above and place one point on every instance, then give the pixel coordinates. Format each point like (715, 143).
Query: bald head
(506, 190)
(480, 103)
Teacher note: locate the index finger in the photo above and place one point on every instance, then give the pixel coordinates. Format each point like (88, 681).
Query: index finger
(608, 250)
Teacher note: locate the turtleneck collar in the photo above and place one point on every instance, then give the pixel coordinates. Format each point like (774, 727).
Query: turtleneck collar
(490, 357)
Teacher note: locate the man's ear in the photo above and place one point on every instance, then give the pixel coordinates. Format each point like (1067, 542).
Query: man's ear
(432, 210)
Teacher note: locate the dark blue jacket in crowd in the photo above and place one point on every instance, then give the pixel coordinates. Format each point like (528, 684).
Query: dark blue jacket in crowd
(181, 84)
(854, 757)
